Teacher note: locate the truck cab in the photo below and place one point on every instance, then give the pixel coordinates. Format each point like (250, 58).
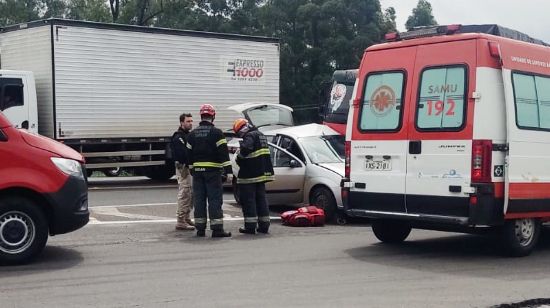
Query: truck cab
(43, 191)
(18, 99)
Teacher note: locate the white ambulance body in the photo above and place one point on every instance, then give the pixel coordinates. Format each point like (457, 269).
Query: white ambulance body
(451, 132)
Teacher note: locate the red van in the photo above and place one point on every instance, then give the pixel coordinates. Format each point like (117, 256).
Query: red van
(43, 191)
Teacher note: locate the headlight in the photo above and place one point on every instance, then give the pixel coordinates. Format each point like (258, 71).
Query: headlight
(68, 166)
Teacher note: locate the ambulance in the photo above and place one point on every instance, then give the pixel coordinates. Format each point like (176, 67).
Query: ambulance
(449, 130)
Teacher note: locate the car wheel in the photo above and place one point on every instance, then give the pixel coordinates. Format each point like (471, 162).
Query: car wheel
(391, 231)
(520, 236)
(23, 230)
(323, 198)
(236, 192)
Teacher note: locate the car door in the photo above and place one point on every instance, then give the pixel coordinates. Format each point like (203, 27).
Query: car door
(288, 187)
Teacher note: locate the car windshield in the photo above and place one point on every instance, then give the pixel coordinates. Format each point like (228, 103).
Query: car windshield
(270, 115)
(324, 149)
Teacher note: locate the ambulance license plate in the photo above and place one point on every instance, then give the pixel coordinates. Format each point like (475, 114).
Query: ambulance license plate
(378, 165)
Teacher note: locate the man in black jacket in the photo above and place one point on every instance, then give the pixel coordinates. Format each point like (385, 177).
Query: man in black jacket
(255, 169)
(208, 159)
(185, 193)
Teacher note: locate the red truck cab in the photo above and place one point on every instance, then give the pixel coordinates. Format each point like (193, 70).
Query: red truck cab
(43, 190)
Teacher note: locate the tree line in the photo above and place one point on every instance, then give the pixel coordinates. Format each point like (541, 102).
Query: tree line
(316, 36)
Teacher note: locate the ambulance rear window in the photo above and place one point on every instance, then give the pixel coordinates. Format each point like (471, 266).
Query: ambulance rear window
(532, 98)
(382, 102)
(441, 104)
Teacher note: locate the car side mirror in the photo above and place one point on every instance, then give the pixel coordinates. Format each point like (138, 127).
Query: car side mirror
(294, 163)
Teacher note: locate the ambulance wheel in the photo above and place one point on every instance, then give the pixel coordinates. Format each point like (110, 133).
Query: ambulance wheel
(390, 231)
(23, 230)
(323, 198)
(236, 193)
(520, 236)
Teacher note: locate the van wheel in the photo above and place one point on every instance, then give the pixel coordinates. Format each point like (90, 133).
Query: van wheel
(236, 192)
(390, 231)
(23, 230)
(323, 198)
(520, 236)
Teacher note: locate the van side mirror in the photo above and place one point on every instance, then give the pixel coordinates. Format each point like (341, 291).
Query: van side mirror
(294, 164)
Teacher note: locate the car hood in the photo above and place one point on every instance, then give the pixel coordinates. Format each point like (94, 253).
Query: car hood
(50, 145)
(335, 167)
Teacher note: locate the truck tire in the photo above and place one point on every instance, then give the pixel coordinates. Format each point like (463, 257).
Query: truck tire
(520, 236)
(23, 230)
(323, 198)
(160, 173)
(112, 172)
(391, 231)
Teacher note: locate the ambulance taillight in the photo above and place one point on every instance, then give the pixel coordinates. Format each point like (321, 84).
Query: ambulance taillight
(481, 161)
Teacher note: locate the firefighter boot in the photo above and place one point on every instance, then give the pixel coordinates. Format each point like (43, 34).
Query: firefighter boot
(247, 230)
(201, 233)
(263, 230)
(220, 233)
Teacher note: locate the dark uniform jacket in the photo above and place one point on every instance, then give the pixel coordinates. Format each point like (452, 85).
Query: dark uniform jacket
(179, 139)
(207, 149)
(254, 159)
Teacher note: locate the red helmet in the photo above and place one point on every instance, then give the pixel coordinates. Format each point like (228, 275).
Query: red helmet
(239, 124)
(208, 109)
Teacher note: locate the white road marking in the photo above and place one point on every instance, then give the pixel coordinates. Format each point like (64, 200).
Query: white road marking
(131, 187)
(147, 204)
(113, 211)
(131, 205)
(122, 222)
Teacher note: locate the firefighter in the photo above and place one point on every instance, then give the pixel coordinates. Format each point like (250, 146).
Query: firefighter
(255, 169)
(185, 196)
(208, 160)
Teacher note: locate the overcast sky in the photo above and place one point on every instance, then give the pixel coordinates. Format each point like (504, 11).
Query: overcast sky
(529, 16)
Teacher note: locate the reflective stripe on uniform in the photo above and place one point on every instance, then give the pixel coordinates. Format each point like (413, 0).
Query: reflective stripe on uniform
(264, 218)
(257, 153)
(218, 221)
(189, 146)
(259, 179)
(200, 220)
(251, 219)
(220, 142)
(226, 163)
(207, 164)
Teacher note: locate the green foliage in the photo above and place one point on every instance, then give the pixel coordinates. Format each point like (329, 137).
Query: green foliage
(316, 36)
(421, 16)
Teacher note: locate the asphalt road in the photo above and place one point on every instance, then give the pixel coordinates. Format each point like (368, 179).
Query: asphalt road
(140, 261)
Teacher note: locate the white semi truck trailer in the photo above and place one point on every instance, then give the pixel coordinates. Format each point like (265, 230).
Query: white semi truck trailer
(115, 92)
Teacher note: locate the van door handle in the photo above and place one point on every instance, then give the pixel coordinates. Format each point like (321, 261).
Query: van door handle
(415, 147)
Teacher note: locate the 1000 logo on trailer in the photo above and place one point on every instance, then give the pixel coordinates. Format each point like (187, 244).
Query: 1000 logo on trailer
(246, 69)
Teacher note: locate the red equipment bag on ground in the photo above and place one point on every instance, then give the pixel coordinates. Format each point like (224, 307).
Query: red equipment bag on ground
(307, 216)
